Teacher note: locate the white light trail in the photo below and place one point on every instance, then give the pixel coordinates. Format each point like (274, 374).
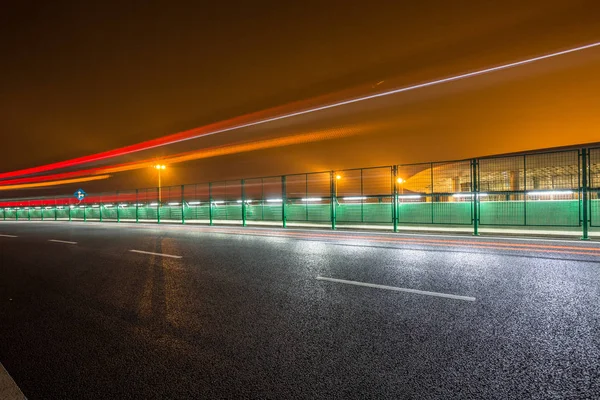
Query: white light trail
(390, 92)
(462, 195)
(550, 193)
(354, 198)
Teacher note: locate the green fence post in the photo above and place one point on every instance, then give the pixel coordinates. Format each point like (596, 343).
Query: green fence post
(69, 207)
(42, 212)
(243, 204)
(4, 214)
(118, 208)
(210, 204)
(55, 211)
(475, 197)
(182, 205)
(158, 205)
(333, 187)
(524, 190)
(584, 192)
(84, 213)
(395, 186)
(137, 206)
(432, 192)
(100, 209)
(362, 201)
(16, 213)
(283, 202)
(29, 212)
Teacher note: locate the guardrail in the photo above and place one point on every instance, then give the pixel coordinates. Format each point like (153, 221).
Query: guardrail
(553, 189)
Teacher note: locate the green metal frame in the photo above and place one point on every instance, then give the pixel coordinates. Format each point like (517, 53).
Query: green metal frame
(584, 190)
(507, 203)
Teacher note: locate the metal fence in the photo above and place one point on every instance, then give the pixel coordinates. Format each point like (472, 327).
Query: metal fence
(557, 189)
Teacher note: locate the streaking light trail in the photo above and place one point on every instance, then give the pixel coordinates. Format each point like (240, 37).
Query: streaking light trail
(54, 183)
(326, 134)
(217, 127)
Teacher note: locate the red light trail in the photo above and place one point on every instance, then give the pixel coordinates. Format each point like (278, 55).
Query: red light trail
(243, 121)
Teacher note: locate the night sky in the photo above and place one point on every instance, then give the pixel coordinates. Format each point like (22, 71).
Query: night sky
(83, 77)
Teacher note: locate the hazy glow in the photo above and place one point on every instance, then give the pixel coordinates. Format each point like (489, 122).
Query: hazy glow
(274, 200)
(194, 203)
(172, 204)
(309, 199)
(193, 134)
(411, 196)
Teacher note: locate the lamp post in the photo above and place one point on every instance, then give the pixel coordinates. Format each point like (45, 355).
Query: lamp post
(337, 178)
(160, 168)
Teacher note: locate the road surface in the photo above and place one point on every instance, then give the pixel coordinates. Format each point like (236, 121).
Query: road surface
(106, 311)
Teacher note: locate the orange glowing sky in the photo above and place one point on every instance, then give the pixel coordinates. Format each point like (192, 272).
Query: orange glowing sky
(154, 73)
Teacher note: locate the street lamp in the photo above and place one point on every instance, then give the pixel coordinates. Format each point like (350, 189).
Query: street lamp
(160, 168)
(337, 178)
(400, 182)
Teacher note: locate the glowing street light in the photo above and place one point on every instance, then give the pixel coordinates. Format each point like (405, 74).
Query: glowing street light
(400, 182)
(337, 178)
(160, 168)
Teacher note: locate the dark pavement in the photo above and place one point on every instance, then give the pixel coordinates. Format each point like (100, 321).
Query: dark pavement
(242, 315)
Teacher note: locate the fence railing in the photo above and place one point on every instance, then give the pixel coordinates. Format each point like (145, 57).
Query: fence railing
(558, 189)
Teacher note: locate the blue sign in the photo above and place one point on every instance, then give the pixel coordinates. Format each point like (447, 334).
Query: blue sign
(80, 194)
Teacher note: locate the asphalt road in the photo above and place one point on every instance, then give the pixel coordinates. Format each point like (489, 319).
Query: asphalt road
(239, 313)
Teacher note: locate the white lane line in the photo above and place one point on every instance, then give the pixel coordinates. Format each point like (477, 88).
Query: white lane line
(8, 388)
(155, 254)
(9, 236)
(397, 289)
(61, 241)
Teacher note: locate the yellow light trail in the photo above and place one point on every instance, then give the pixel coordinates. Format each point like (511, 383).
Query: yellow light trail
(54, 183)
(102, 172)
